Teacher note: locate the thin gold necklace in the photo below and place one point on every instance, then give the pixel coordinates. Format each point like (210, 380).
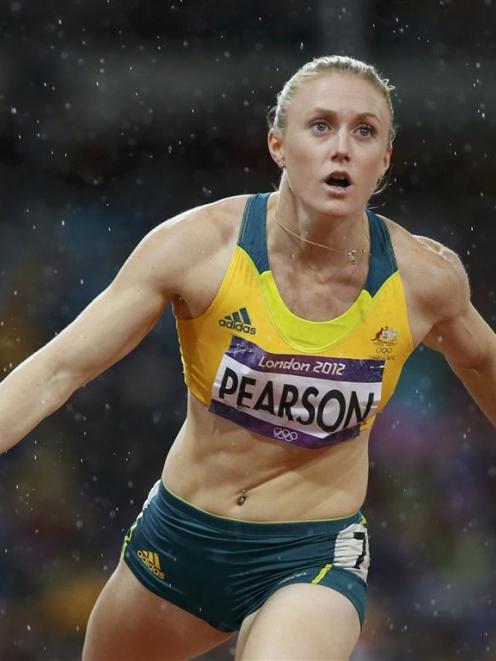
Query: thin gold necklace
(351, 254)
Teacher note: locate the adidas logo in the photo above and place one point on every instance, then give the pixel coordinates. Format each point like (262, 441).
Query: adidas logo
(239, 321)
(152, 562)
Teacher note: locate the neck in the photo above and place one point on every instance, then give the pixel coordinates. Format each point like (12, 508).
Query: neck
(340, 234)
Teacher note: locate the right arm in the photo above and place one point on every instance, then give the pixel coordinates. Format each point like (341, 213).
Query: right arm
(158, 270)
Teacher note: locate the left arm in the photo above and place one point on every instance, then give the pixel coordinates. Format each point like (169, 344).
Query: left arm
(469, 346)
(466, 340)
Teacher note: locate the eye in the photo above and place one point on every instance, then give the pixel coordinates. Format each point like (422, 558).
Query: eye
(366, 131)
(320, 126)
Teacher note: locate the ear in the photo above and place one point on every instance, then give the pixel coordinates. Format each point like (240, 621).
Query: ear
(275, 143)
(386, 160)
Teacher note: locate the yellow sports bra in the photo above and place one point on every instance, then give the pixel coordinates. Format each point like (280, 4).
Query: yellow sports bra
(308, 383)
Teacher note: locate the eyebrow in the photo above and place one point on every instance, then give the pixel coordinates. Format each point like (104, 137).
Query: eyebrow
(333, 113)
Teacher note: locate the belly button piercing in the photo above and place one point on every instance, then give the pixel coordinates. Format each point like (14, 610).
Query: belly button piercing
(243, 497)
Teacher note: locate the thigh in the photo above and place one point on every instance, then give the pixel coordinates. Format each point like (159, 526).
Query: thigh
(128, 622)
(300, 621)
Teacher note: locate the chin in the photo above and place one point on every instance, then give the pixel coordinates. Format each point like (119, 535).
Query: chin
(335, 207)
(328, 205)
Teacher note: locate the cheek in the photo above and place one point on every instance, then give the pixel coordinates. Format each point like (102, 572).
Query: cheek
(304, 153)
(374, 165)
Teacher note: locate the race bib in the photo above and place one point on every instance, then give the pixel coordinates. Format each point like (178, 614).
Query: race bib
(308, 401)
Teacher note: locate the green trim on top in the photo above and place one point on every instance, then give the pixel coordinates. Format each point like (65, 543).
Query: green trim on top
(382, 261)
(253, 233)
(252, 237)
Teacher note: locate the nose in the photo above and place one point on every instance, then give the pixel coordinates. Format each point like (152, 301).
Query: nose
(341, 146)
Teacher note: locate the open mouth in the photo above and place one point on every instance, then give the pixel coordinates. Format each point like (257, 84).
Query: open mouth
(338, 180)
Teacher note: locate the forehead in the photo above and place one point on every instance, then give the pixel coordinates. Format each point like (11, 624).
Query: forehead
(341, 93)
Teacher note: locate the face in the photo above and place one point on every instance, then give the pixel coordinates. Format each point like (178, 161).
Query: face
(336, 143)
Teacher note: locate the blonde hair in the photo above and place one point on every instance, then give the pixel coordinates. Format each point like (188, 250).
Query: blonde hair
(320, 66)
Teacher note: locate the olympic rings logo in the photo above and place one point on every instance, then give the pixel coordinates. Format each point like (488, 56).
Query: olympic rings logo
(384, 350)
(285, 434)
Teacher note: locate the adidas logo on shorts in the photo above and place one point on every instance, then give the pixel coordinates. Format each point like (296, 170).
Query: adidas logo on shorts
(239, 320)
(152, 562)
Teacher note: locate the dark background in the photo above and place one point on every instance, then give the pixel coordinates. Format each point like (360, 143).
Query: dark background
(117, 115)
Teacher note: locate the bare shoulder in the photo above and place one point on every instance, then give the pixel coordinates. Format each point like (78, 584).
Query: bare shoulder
(207, 225)
(193, 237)
(433, 274)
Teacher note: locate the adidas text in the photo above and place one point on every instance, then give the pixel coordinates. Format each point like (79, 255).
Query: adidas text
(239, 320)
(152, 562)
(237, 326)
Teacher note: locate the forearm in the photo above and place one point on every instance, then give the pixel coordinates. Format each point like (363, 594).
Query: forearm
(481, 384)
(31, 392)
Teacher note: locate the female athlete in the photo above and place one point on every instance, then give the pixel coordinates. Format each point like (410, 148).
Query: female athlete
(295, 311)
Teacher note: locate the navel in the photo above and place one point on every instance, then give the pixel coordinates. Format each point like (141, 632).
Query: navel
(242, 498)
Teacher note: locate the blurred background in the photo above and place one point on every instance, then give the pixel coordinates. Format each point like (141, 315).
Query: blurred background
(117, 115)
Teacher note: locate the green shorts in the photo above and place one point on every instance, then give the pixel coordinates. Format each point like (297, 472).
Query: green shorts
(221, 569)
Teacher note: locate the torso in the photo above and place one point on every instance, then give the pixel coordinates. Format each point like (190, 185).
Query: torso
(213, 462)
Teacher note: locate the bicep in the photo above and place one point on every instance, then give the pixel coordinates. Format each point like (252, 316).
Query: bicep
(120, 317)
(466, 340)
(457, 329)
(109, 328)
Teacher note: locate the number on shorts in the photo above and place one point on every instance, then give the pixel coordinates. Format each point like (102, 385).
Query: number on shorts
(363, 537)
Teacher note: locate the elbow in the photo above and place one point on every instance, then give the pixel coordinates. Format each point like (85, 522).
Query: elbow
(479, 361)
(61, 383)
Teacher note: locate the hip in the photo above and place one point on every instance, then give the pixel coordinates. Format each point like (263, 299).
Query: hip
(223, 569)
